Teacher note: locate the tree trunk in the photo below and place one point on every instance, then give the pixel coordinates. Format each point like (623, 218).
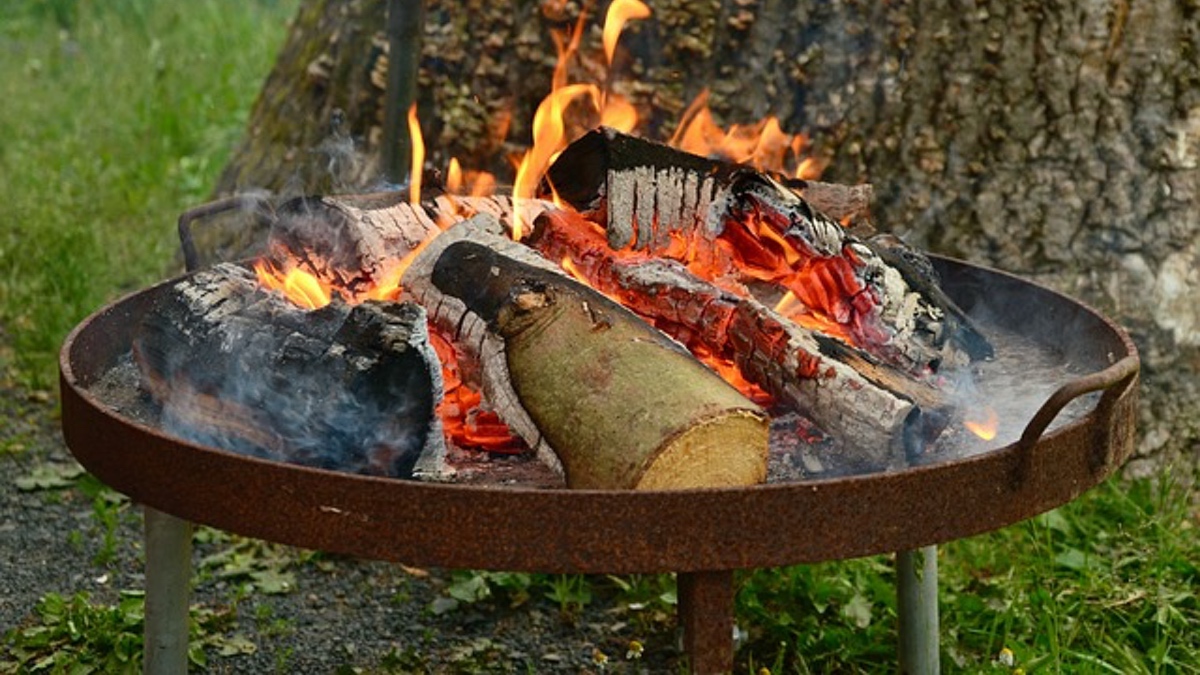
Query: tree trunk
(1058, 140)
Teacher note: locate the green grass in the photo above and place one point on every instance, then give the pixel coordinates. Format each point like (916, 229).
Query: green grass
(117, 116)
(1107, 584)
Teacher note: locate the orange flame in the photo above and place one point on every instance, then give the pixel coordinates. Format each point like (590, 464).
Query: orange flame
(619, 13)
(454, 177)
(571, 268)
(467, 182)
(549, 138)
(618, 113)
(549, 121)
(983, 423)
(418, 157)
(298, 286)
(763, 145)
(566, 50)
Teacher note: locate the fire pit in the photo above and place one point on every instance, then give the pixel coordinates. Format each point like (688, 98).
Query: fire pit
(620, 531)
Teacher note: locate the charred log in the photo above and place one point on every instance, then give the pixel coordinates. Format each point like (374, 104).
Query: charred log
(343, 388)
(352, 242)
(644, 191)
(592, 387)
(648, 196)
(358, 243)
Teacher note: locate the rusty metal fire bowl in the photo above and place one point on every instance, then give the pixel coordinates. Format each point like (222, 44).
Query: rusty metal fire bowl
(585, 531)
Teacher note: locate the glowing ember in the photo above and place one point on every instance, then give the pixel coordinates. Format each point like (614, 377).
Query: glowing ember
(464, 422)
(572, 269)
(732, 374)
(298, 286)
(983, 423)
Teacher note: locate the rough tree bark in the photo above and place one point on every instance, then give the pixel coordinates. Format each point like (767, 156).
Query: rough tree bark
(1058, 140)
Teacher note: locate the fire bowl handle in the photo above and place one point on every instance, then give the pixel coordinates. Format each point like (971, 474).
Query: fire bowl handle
(259, 204)
(1122, 372)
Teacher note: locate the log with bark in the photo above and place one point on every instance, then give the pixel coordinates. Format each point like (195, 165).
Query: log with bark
(588, 384)
(346, 388)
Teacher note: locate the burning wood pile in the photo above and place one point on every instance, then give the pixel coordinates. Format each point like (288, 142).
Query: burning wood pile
(634, 314)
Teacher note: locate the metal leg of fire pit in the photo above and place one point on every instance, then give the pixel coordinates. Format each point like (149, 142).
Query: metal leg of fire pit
(168, 586)
(706, 615)
(917, 605)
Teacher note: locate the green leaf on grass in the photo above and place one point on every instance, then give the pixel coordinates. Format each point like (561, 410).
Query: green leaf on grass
(236, 645)
(858, 611)
(51, 476)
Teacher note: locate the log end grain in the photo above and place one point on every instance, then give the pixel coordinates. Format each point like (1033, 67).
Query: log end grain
(728, 450)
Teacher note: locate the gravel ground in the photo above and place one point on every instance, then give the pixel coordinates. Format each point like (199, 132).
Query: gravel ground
(334, 615)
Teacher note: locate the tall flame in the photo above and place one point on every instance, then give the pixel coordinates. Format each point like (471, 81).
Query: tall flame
(549, 138)
(549, 123)
(418, 157)
(620, 12)
(566, 48)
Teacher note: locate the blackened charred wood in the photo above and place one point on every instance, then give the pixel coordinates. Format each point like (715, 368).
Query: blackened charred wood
(594, 389)
(643, 192)
(648, 196)
(344, 388)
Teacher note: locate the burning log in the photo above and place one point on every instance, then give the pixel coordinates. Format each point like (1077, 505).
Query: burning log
(357, 243)
(644, 191)
(350, 242)
(755, 228)
(346, 388)
(879, 415)
(593, 388)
